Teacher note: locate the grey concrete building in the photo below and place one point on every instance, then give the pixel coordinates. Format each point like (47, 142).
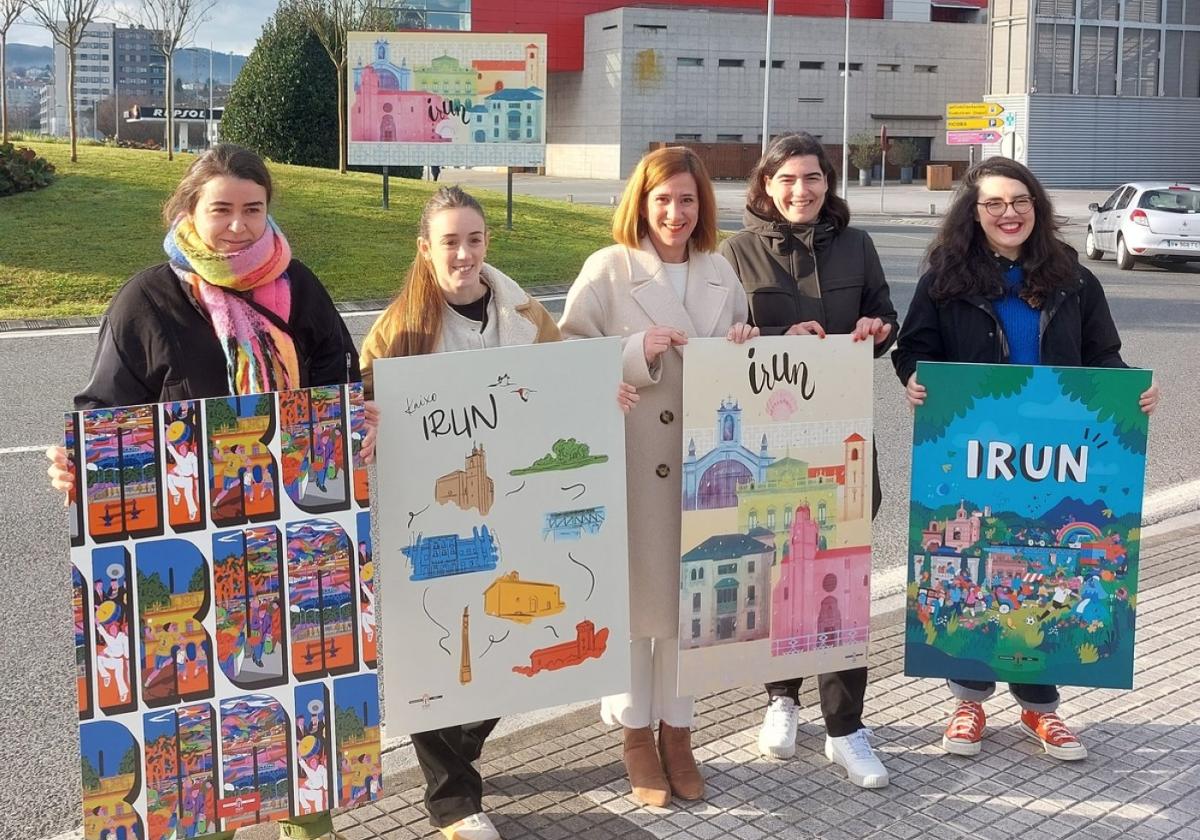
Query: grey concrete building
(653, 74)
(1103, 91)
(93, 80)
(139, 66)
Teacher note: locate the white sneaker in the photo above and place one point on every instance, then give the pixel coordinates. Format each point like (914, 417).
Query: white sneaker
(854, 753)
(777, 737)
(474, 827)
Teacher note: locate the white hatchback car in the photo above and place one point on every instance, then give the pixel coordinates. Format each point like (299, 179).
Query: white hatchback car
(1159, 221)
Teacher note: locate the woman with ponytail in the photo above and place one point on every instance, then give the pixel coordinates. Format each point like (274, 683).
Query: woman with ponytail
(229, 313)
(453, 300)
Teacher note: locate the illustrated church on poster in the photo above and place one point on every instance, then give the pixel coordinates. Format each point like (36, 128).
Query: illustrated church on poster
(711, 480)
(469, 487)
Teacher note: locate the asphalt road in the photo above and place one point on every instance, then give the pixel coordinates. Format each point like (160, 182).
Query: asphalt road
(1157, 311)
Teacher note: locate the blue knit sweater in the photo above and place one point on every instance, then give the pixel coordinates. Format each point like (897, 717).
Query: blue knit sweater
(1019, 319)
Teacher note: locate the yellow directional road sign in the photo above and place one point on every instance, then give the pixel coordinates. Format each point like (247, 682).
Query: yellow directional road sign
(974, 109)
(973, 124)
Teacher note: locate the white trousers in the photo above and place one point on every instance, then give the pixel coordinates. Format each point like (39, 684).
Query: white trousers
(654, 663)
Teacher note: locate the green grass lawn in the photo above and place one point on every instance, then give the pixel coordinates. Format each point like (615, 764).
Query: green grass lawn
(64, 250)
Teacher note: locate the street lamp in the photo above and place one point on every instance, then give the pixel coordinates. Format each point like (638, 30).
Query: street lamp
(846, 112)
(767, 77)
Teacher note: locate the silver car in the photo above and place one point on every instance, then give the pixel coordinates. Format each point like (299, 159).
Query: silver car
(1154, 221)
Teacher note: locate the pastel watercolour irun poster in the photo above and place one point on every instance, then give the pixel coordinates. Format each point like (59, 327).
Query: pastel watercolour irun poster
(1024, 532)
(223, 620)
(775, 552)
(504, 546)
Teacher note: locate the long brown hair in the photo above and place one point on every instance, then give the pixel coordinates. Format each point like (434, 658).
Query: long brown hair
(221, 160)
(962, 263)
(782, 149)
(629, 222)
(419, 304)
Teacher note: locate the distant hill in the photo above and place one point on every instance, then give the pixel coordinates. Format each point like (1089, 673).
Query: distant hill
(23, 56)
(191, 65)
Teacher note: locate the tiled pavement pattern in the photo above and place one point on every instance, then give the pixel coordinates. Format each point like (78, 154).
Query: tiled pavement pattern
(564, 779)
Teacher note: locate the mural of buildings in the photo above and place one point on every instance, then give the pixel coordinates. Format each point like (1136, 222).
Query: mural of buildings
(494, 75)
(521, 600)
(469, 487)
(963, 531)
(725, 589)
(446, 77)
(821, 598)
(512, 115)
(450, 554)
(711, 480)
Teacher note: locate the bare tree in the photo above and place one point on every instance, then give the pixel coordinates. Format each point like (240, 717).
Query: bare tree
(331, 20)
(174, 23)
(67, 21)
(10, 10)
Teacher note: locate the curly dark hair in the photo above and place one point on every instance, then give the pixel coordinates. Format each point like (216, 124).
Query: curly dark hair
(784, 147)
(962, 263)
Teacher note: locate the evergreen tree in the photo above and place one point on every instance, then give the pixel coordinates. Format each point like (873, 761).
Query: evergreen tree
(284, 103)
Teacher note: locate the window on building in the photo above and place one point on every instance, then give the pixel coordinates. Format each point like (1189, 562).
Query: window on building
(752, 520)
(651, 27)
(775, 65)
(701, 575)
(729, 138)
(727, 598)
(1139, 61)
(689, 61)
(887, 68)
(727, 569)
(1053, 54)
(696, 602)
(821, 510)
(695, 628)
(925, 68)
(750, 620)
(787, 517)
(750, 594)
(749, 567)
(771, 518)
(730, 62)
(1098, 60)
(684, 136)
(855, 66)
(812, 65)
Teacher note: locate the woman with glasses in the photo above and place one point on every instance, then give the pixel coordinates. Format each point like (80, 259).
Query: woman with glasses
(1002, 288)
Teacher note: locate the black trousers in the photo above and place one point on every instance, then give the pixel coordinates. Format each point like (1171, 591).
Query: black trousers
(842, 694)
(453, 787)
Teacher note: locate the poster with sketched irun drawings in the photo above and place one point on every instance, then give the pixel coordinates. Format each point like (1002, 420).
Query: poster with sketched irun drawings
(1025, 524)
(501, 481)
(775, 550)
(223, 607)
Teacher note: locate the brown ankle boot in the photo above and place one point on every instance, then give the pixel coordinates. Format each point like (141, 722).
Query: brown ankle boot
(675, 749)
(646, 777)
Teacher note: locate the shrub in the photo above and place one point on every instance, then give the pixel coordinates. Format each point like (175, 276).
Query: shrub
(864, 150)
(902, 153)
(22, 170)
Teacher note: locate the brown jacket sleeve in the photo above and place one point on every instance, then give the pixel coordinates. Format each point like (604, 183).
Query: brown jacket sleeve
(377, 345)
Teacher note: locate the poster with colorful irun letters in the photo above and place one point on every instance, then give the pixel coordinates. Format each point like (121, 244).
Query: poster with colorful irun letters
(446, 98)
(224, 612)
(1024, 530)
(501, 475)
(776, 541)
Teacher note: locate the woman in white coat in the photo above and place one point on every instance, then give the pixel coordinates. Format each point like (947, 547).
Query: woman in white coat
(661, 283)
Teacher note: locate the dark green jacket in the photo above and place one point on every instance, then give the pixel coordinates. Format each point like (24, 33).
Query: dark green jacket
(786, 284)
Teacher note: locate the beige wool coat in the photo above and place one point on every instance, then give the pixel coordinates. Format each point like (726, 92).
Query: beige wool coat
(623, 292)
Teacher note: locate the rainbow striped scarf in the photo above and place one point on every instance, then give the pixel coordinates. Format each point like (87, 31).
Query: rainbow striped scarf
(260, 356)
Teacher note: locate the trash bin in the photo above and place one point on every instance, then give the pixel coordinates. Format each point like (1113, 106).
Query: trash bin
(939, 177)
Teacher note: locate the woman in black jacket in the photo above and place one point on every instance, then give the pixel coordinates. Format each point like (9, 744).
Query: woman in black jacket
(1002, 288)
(229, 313)
(807, 272)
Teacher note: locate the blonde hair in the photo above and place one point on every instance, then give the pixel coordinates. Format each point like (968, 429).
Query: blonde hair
(419, 305)
(629, 223)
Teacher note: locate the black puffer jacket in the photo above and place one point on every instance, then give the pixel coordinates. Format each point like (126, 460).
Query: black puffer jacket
(1075, 329)
(786, 284)
(157, 344)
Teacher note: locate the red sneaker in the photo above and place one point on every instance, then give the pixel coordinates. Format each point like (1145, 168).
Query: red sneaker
(964, 732)
(1056, 738)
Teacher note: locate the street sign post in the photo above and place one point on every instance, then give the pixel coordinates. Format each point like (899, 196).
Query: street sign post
(973, 109)
(883, 145)
(974, 123)
(971, 138)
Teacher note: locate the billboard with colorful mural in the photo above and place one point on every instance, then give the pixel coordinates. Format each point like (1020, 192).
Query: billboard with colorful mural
(1024, 531)
(506, 545)
(224, 612)
(776, 543)
(446, 99)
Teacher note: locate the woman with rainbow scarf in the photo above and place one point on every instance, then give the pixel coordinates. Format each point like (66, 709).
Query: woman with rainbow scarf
(229, 313)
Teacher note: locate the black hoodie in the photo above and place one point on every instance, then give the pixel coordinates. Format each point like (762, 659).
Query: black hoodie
(787, 284)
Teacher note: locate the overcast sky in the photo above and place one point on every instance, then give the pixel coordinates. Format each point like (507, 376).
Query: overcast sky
(233, 26)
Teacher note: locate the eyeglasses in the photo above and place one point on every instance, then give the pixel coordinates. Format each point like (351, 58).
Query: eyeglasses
(998, 207)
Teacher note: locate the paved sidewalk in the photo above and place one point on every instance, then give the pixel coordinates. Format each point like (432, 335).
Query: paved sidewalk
(564, 779)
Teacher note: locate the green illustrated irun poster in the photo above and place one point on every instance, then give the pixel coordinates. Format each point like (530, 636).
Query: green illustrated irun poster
(1024, 527)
